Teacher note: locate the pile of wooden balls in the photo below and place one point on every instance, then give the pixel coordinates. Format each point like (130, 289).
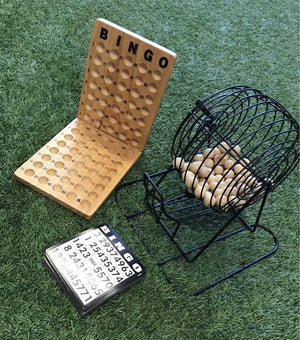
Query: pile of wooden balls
(219, 176)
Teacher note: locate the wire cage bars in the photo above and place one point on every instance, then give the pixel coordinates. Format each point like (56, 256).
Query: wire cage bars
(242, 136)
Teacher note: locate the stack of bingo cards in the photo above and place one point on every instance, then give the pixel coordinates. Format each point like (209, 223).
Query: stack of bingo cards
(125, 79)
(93, 266)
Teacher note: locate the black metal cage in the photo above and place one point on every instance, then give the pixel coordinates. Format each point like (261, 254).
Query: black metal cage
(230, 151)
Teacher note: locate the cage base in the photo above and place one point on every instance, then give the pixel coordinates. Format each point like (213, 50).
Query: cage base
(192, 254)
(230, 274)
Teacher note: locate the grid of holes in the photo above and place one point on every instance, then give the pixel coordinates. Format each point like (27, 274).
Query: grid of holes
(119, 94)
(63, 165)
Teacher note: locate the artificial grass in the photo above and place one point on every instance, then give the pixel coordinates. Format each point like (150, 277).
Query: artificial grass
(44, 46)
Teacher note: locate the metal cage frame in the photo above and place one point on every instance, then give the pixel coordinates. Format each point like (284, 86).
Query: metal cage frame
(259, 143)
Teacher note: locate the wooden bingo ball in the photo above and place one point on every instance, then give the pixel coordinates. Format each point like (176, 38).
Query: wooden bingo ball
(188, 178)
(209, 163)
(239, 178)
(203, 182)
(244, 161)
(235, 151)
(195, 166)
(250, 181)
(209, 200)
(217, 151)
(218, 170)
(220, 159)
(219, 178)
(178, 163)
(229, 173)
(208, 153)
(221, 201)
(211, 178)
(238, 168)
(230, 181)
(224, 147)
(213, 186)
(218, 191)
(233, 200)
(199, 191)
(222, 185)
(204, 172)
(198, 157)
(184, 167)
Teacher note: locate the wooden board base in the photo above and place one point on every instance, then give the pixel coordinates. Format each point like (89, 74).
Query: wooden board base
(79, 167)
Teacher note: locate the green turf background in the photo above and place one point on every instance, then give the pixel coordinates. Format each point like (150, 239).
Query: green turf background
(44, 46)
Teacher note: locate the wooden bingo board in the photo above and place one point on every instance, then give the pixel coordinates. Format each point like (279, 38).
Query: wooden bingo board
(124, 81)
